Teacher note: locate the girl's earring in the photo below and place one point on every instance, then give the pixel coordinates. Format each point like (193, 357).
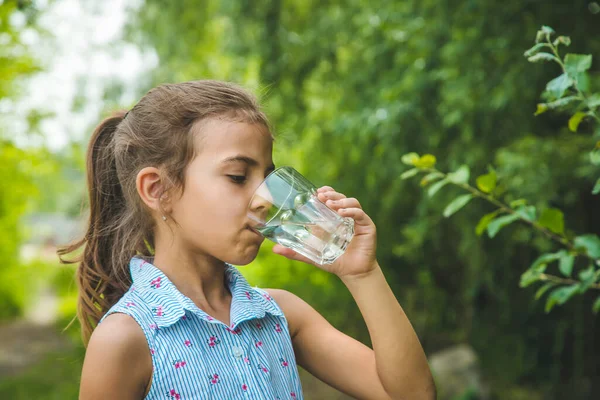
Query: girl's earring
(164, 218)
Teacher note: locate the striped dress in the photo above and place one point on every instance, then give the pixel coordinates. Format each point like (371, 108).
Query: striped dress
(195, 356)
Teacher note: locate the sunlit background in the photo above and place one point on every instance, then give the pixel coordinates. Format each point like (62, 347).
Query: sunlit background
(350, 86)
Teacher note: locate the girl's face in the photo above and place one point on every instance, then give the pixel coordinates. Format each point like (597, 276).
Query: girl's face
(234, 158)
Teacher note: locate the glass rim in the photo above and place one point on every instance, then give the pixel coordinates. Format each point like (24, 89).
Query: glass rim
(283, 167)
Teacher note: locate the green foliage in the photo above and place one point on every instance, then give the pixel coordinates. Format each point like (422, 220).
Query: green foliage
(551, 220)
(487, 183)
(457, 204)
(16, 169)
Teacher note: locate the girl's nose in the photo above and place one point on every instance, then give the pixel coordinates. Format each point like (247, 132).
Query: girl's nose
(259, 208)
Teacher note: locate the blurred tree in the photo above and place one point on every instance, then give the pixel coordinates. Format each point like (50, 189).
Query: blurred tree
(17, 166)
(353, 85)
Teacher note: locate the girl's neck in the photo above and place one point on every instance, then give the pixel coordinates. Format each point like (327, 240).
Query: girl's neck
(198, 277)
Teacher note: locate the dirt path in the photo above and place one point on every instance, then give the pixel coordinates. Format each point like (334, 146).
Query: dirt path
(26, 341)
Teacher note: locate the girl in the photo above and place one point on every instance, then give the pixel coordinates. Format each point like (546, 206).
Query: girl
(163, 310)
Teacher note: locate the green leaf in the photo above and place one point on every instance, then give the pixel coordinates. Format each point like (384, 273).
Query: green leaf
(595, 157)
(576, 63)
(594, 100)
(433, 176)
(565, 263)
(596, 188)
(587, 278)
(535, 49)
(540, 263)
(596, 306)
(575, 120)
(558, 86)
(528, 277)
(433, 189)
(589, 242)
(410, 158)
(527, 212)
(487, 183)
(461, 175)
(542, 57)
(553, 219)
(410, 173)
(499, 223)
(540, 36)
(457, 204)
(484, 222)
(560, 103)
(560, 296)
(541, 108)
(547, 30)
(425, 161)
(562, 40)
(543, 289)
(518, 203)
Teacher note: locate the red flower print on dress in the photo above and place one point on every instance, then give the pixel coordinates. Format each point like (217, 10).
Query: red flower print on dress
(142, 264)
(258, 343)
(248, 296)
(259, 325)
(172, 394)
(213, 341)
(158, 311)
(262, 368)
(214, 378)
(187, 343)
(283, 362)
(237, 330)
(277, 328)
(179, 363)
(155, 283)
(153, 326)
(244, 387)
(246, 360)
(293, 395)
(130, 304)
(183, 317)
(209, 318)
(152, 351)
(266, 296)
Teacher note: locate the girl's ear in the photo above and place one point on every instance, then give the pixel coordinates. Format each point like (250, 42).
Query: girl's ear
(150, 188)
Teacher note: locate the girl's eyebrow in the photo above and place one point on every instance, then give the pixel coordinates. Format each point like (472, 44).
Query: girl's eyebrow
(247, 160)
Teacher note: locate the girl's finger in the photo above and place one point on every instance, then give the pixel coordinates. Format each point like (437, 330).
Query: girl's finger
(325, 189)
(357, 214)
(331, 195)
(344, 203)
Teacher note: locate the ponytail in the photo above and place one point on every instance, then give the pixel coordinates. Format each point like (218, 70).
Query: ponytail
(102, 275)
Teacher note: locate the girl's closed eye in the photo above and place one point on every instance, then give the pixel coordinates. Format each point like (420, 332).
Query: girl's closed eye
(239, 179)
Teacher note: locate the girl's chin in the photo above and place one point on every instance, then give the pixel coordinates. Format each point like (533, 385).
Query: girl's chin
(247, 256)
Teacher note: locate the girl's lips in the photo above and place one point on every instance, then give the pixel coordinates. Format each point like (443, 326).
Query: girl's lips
(253, 230)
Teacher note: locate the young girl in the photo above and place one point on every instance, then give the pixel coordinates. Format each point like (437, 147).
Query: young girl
(163, 310)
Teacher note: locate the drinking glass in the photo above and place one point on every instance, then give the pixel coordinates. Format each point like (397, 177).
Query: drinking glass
(285, 209)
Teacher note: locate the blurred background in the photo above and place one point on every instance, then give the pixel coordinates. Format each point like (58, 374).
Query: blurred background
(350, 87)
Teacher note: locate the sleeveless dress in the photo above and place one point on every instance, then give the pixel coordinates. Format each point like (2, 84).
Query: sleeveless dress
(195, 356)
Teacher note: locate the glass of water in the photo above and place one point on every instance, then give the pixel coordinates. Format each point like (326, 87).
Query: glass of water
(285, 209)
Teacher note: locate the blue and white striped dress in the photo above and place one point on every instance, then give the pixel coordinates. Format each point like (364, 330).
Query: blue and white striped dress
(195, 356)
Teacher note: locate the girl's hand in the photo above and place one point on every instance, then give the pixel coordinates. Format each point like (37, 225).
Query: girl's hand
(359, 257)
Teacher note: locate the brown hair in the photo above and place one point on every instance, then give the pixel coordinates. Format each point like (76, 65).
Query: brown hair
(155, 132)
